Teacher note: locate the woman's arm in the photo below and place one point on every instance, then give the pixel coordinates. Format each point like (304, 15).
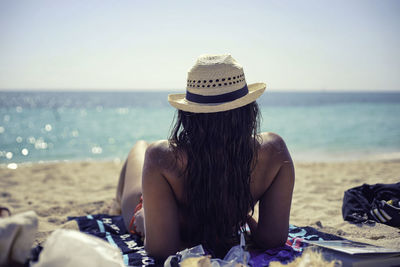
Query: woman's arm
(161, 212)
(271, 230)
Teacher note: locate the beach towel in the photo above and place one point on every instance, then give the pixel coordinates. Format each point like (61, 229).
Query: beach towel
(373, 203)
(112, 229)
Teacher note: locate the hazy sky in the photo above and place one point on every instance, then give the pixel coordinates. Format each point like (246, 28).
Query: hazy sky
(332, 45)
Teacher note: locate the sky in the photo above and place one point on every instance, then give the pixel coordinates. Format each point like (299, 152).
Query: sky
(144, 45)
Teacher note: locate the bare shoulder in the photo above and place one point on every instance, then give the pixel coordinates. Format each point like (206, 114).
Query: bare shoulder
(160, 147)
(161, 156)
(159, 153)
(271, 139)
(273, 146)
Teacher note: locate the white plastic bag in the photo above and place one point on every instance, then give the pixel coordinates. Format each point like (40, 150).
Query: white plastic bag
(236, 256)
(17, 234)
(73, 248)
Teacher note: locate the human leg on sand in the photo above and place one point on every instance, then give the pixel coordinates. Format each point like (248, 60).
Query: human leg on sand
(129, 189)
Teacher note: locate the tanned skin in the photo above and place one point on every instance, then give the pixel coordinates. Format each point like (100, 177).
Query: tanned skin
(151, 170)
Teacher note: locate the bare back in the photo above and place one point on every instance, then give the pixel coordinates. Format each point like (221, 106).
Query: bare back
(271, 184)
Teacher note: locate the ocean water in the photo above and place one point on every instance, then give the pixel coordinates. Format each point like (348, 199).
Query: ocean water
(320, 126)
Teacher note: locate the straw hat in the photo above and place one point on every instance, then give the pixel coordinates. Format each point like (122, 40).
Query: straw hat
(216, 83)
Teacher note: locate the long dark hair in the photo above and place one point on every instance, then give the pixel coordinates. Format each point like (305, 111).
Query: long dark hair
(221, 153)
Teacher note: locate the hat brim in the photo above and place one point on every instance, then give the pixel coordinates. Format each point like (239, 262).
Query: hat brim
(179, 101)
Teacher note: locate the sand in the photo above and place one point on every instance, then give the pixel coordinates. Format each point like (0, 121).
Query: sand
(58, 190)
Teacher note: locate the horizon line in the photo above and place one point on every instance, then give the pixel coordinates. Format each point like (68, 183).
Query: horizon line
(291, 90)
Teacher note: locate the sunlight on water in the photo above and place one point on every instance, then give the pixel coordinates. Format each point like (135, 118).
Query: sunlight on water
(45, 126)
(12, 166)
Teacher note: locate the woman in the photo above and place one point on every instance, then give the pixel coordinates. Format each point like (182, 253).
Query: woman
(201, 185)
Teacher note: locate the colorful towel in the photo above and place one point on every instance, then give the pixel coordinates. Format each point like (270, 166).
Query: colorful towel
(112, 229)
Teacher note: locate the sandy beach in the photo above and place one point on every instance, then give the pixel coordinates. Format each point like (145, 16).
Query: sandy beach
(58, 190)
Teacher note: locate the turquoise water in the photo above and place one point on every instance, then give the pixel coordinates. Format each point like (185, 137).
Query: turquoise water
(47, 126)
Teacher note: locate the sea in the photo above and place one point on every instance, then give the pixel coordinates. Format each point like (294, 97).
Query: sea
(85, 125)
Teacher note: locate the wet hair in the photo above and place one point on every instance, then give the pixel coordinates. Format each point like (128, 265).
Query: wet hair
(221, 154)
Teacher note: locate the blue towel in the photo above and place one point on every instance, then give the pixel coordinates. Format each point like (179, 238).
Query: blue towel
(112, 229)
